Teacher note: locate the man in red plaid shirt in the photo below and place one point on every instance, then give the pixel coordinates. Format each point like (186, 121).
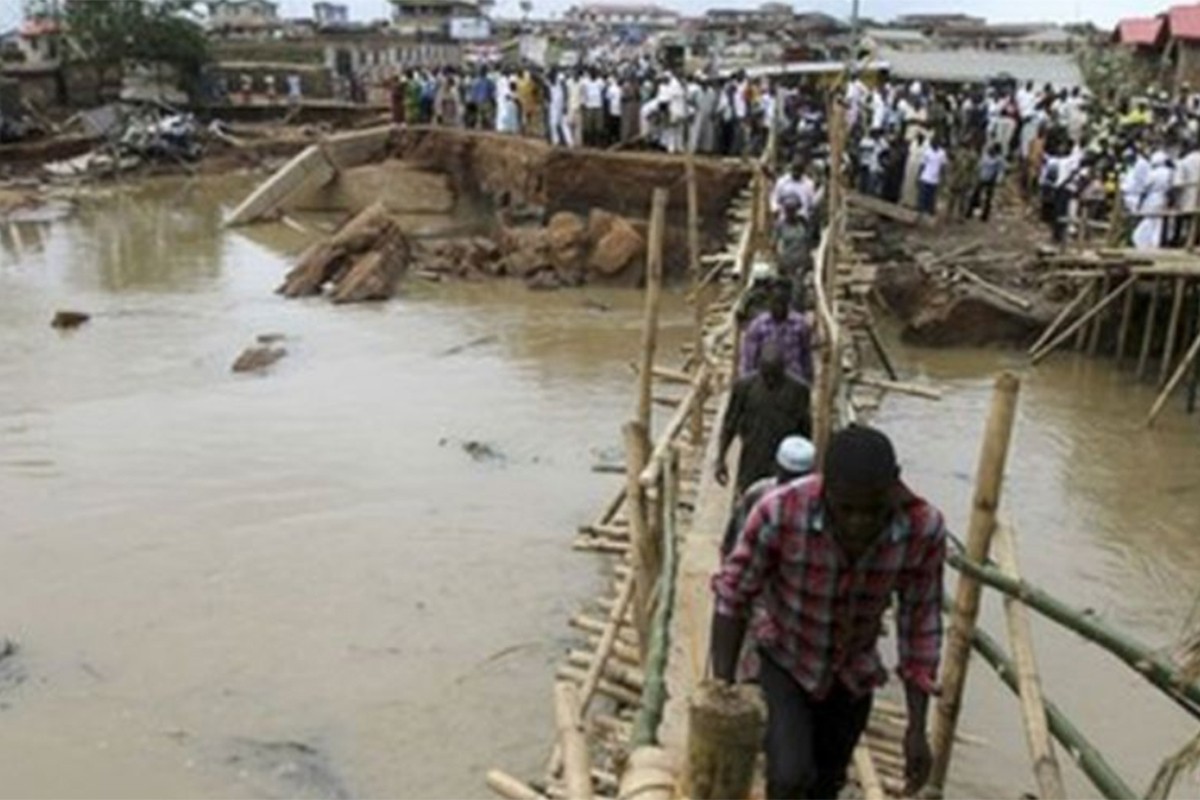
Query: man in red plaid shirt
(818, 563)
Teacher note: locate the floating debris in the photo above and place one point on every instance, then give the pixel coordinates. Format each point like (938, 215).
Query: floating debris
(69, 320)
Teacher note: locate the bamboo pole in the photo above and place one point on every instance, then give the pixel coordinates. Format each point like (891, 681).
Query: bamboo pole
(1148, 331)
(607, 639)
(1147, 662)
(577, 762)
(989, 481)
(1081, 335)
(654, 690)
(880, 352)
(654, 269)
(1164, 368)
(693, 217)
(868, 777)
(1089, 759)
(645, 561)
(1083, 320)
(1033, 711)
(1126, 318)
(510, 788)
(690, 403)
(1180, 371)
(1062, 317)
(609, 688)
(997, 291)
(1098, 322)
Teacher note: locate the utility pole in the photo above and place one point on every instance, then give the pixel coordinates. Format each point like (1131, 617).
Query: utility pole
(854, 31)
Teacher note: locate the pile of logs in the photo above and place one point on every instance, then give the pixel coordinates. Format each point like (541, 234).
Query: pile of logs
(363, 261)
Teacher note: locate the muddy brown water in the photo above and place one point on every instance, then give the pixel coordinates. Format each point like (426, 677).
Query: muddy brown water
(300, 584)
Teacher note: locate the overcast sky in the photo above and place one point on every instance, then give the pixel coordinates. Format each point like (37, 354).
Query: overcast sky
(1102, 12)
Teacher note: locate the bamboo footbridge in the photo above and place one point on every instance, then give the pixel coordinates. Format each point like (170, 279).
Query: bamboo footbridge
(625, 697)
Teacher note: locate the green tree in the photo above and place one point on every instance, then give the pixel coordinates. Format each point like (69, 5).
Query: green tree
(116, 33)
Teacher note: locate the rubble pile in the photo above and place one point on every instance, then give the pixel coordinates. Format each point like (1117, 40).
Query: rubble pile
(363, 261)
(568, 251)
(966, 285)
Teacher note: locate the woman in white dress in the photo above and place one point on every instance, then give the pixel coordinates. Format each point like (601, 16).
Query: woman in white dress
(912, 171)
(1149, 232)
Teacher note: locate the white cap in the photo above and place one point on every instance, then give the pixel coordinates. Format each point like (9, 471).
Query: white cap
(796, 455)
(761, 271)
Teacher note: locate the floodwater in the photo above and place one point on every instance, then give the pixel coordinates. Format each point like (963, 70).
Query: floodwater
(299, 584)
(1107, 516)
(296, 584)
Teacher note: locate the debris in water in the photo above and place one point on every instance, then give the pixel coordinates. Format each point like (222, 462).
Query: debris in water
(482, 340)
(482, 451)
(69, 320)
(297, 769)
(12, 674)
(270, 338)
(257, 358)
(596, 305)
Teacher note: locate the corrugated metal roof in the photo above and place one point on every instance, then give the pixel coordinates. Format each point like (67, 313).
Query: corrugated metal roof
(978, 66)
(1183, 22)
(896, 35)
(1141, 31)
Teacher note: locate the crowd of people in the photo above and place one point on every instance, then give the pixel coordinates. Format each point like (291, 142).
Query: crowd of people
(1132, 168)
(638, 104)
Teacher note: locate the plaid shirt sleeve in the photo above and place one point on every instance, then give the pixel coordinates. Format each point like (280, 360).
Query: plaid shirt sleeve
(919, 612)
(747, 567)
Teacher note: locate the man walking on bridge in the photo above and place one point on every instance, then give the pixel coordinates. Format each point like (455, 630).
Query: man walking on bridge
(822, 557)
(764, 409)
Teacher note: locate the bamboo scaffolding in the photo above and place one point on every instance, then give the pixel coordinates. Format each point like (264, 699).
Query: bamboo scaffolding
(1085, 755)
(1097, 325)
(997, 291)
(693, 216)
(1029, 683)
(654, 691)
(577, 762)
(868, 778)
(645, 559)
(880, 352)
(691, 401)
(607, 639)
(1126, 319)
(1180, 371)
(1083, 320)
(1148, 330)
(1147, 662)
(654, 270)
(1062, 317)
(989, 482)
(1164, 367)
(608, 688)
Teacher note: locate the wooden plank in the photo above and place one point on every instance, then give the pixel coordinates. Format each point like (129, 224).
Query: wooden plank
(883, 208)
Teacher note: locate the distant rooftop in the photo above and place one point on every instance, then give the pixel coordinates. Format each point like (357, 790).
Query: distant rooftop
(1140, 31)
(978, 66)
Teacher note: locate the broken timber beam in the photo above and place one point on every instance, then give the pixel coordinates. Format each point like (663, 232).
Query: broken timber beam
(883, 208)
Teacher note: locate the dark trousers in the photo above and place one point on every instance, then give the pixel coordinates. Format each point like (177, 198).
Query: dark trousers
(982, 195)
(927, 198)
(809, 742)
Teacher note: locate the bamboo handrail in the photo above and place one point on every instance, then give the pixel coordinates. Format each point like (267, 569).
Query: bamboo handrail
(654, 686)
(1143, 659)
(1033, 708)
(695, 396)
(1089, 759)
(1083, 320)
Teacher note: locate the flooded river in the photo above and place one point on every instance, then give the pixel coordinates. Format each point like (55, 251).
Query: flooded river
(300, 584)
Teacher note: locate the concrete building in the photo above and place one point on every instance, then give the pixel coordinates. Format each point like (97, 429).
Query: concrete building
(612, 15)
(331, 15)
(430, 18)
(243, 18)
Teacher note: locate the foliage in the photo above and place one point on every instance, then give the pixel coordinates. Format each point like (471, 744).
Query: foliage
(114, 33)
(1115, 73)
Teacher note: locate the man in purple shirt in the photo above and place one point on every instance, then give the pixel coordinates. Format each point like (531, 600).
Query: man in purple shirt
(788, 329)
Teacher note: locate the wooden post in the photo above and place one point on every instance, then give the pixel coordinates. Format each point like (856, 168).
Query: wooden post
(654, 270)
(989, 481)
(1081, 335)
(1175, 379)
(1078, 324)
(604, 650)
(696, 423)
(637, 447)
(1126, 315)
(1164, 368)
(1052, 328)
(1033, 710)
(1098, 322)
(577, 762)
(1148, 331)
(693, 219)
(725, 732)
